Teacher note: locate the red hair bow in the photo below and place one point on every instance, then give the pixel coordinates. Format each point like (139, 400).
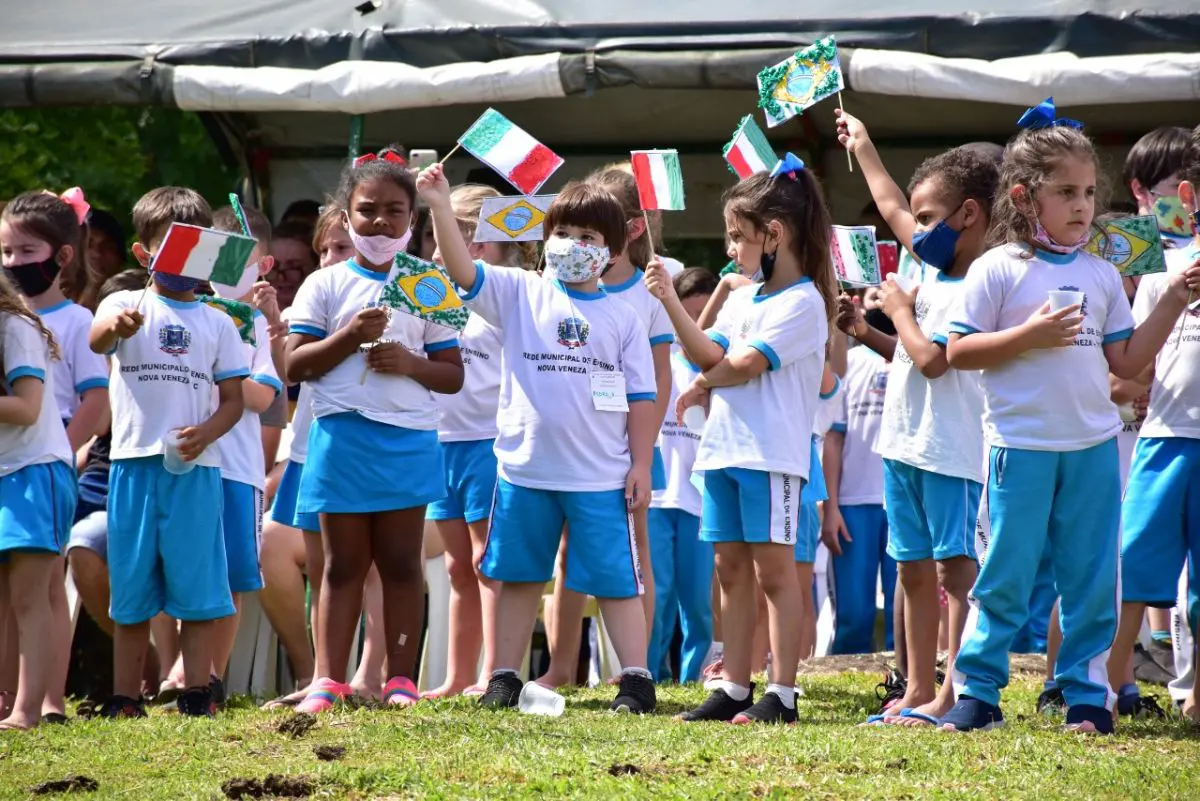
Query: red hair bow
(389, 155)
(73, 197)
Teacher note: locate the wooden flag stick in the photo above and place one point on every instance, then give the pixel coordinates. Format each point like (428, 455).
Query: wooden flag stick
(649, 237)
(849, 160)
(451, 153)
(141, 297)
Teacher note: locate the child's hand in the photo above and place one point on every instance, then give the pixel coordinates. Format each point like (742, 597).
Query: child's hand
(1047, 329)
(277, 331)
(192, 442)
(894, 300)
(695, 395)
(735, 281)
(265, 299)
(1141, 406)
(850, 317)
(433, 187)
(637, 488)
(127, 323)
(1186, 284)
(368, 325)
(850, 131)
(390, 357)
(833, 529)
(658, 281)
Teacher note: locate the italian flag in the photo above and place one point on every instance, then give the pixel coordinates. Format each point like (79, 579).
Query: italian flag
(524, 161)
(659, 179)
(749, 151)
(203, 254)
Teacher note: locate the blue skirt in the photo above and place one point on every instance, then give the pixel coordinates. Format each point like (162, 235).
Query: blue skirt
(287, 497)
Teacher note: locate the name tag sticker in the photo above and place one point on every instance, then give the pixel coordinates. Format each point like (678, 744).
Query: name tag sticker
(608, 392)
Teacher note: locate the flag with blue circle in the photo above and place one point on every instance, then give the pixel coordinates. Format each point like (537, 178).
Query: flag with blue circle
(512, 219)
(423, 289)
(1131, 244)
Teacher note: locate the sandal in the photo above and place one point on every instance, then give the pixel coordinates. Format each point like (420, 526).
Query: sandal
(400, 691)
(1089, 719)
(55, 719)
(323, 696)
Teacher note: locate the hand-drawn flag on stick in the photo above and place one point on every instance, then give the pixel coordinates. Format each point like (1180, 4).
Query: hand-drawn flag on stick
(242, 315)
(749, 151)
(523, 161)
(423, 289)
(808, 77)
(1131, 244)
(204, 254)
(659, 179)
(512, 219)
(855, 255)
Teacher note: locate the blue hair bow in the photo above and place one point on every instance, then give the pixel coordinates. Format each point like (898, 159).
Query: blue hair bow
(788, 165)
(1043, 116)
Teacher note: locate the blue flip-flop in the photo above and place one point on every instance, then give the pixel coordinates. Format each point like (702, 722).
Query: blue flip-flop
(921, 716)
(971, 714)
(1098, 716)
(877, 720)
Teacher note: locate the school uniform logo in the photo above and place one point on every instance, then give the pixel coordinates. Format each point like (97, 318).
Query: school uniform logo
(174, 339)
(573, 332)
(879, 382)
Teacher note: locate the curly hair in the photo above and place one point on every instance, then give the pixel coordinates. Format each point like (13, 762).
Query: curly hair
(393, 171)
(1191, 167)
(962, 172)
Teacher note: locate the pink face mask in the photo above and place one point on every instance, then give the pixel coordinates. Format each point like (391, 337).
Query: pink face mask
(378, 249)
(1042, 239)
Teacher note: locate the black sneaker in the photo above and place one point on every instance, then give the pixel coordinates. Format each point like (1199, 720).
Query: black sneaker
(769, 709)
(719, 706)
(1150, 670)
(1163, 656)
(216, 689)
(1140, 707)
(122, 706)
(503, 691)
(1052, 702)
(635, 694)
(892, 689)
(196, 702)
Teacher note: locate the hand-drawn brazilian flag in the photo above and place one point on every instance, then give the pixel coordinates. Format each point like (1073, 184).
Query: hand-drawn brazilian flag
(423, 289)
(242, 315)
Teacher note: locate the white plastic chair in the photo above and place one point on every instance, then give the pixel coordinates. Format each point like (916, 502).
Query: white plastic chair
(435, 655)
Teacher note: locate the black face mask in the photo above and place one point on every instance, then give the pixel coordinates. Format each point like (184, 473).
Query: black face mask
(766, 263)
(36, 277)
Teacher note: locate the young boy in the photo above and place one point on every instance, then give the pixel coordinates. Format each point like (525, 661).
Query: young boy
(165, 547)
(577, 428)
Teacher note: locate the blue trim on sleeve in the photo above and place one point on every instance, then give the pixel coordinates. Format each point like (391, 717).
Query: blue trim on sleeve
(837, 383)
(480, 277)
(307, 330)
(1117, 336)
(662, 339)
(963, 329)
(446, 344)
(257, 313)
(268, 381)
(940, 339)
(91, 383)
(25, 371)
(56, 307)
(228, 374)
(633, 397)
(838, 427)
(768, 351)
(720, 339)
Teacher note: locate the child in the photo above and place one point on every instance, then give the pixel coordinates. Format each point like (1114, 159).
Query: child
(681, 561)
(165, 547)
(576, 425)
(1052, 472)
(762, 365)
(1153, 171)
(373, 461)
(467, 431)
(932, 436)
(37, 481)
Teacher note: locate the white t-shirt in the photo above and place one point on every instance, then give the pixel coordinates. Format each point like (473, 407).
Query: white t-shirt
(829, 409)
(326, 302)
(860, 419)
(934, 424)
(241, 449)
(1175, 392)
(678, 444)
(649, 310)
(551, 436)
(1053, 399)
(767, 423)
(26, 353)
(79, 369)
(163, 376)
(470, 415)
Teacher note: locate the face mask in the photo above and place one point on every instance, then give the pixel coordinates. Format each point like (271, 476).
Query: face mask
(935, 246)
(1172, 216)
(378, 249)
(176, 283)
(766, 266)
(36, 277)
(574, 262)
(241, 288)
(1043, 240)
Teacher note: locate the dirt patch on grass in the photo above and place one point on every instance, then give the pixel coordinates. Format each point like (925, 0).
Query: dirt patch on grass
(71, 784)
(878, 663)
(297, 725)
(329, 753)
(274, 786)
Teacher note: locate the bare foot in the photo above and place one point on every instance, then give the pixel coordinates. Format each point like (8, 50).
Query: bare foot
(445, 691)
(1085, 727)
(910, 700)
(553, 682)
(374, 692)
(16, 722)
(919, 715)
(291, 699)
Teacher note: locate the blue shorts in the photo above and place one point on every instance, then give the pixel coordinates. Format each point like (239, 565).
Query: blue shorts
(1160, 519)
(470, 482)
(809, 532)
(37, 506)
(359, 466)
(527, 527)
(284, 509)
(742, 505)
(658, 471)
(166, 552)
(930, 516)
(242, 523)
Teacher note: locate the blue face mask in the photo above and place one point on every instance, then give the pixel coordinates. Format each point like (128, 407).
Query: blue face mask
(176, 283)
(935, 246)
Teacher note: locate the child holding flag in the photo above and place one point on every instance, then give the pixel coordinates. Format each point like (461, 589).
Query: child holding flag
(165, 546)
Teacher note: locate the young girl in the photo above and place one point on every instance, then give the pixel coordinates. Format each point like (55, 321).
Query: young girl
(932, 437)
(37, 481)
(1037, 308)
(762, 363)
(373, 460)
(467, 431)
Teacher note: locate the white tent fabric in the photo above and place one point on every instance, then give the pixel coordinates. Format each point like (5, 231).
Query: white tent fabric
(364, 87)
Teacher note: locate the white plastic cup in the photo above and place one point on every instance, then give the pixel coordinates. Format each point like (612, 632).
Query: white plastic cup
(1062, 298)
(538, 700)
(693, 419)
(172, 461)
(1127, 412)
(905, 282)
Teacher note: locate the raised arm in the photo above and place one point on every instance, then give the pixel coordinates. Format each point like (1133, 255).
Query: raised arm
(699, 349)
(889, 198)
(435, 191)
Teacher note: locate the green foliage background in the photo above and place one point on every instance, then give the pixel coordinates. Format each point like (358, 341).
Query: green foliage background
(115, 153)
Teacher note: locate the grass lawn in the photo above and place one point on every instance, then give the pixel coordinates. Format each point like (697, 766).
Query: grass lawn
(450, 749)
